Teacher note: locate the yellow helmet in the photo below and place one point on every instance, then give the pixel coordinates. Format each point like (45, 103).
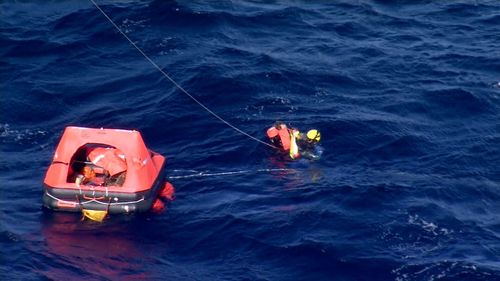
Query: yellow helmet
(314, 135)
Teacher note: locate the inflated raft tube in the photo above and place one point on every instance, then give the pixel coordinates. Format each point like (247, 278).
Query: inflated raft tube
(126, 177)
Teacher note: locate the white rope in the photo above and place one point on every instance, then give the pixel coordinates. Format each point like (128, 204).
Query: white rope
(205, 174)
(173, 81)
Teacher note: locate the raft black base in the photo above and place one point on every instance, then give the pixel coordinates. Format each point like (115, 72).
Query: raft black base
(73, 200)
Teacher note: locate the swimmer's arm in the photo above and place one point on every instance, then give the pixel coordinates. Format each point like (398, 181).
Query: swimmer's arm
(313, 154)
(309, 155)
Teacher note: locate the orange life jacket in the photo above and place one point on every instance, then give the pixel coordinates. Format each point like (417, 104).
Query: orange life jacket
(282, 135)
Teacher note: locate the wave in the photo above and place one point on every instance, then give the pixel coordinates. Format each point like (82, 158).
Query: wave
(403, 95)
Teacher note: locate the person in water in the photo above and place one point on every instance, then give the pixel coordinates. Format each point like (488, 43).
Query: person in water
(295, 143)
(308, 144)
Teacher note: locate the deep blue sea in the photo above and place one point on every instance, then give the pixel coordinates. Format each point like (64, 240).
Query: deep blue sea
(406, 95)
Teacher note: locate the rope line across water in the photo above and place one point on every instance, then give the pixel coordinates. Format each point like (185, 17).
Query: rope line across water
(212, 174)
(173, 81)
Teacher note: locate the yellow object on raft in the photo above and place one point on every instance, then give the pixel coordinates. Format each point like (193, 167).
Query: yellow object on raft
(95, 215)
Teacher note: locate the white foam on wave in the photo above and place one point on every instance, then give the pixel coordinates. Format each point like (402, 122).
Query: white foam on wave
(441, 270)
(30, 136)
(428, 226)
(129, 25)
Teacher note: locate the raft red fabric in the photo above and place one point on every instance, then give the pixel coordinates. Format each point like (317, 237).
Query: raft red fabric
(111, 159)
(143, 166)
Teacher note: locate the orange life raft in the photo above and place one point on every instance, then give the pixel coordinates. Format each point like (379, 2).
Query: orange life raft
(141, 180)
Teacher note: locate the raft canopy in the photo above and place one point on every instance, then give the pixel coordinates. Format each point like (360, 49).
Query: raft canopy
(142, 164)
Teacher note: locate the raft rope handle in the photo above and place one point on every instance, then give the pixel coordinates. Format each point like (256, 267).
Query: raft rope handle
(173, 81)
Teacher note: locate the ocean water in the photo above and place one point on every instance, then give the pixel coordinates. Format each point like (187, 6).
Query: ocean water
(405, 93)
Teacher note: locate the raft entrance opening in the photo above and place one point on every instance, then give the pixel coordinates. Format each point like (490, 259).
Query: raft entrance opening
(85, 156)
